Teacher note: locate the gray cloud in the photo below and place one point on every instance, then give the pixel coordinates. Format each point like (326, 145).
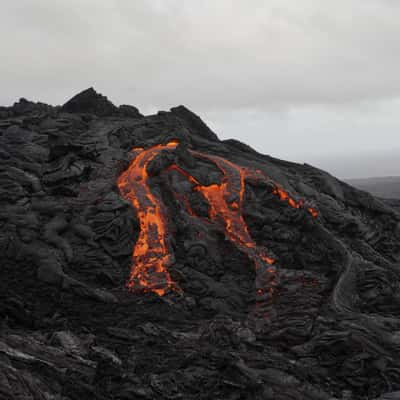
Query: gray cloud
(295, 79)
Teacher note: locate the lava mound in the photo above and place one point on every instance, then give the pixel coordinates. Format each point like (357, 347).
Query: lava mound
(144, 258)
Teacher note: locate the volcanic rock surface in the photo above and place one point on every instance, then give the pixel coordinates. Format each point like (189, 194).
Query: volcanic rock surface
(143, 258)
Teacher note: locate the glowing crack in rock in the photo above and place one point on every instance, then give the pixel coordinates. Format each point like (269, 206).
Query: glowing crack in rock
(152, 255)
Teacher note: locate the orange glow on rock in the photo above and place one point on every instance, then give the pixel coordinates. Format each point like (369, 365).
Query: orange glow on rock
(284, 196)
(313, 212)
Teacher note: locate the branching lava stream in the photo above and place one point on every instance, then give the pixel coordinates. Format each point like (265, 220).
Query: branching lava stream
(152, 255)
(226, 207)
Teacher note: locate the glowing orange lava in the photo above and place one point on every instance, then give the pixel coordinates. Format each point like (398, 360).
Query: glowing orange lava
(152, 255)
(283, 195)
(226, 205)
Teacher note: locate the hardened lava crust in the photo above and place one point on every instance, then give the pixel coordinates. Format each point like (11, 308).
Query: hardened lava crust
(143, 258)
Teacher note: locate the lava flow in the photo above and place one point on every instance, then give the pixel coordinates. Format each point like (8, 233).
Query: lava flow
(151, 254)
(283, 195)
(226, 205)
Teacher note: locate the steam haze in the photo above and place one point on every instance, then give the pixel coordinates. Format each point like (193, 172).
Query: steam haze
(308, 81)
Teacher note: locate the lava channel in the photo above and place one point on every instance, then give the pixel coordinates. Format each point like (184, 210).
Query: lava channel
(226, 207)
(226, 204)
(151, 254)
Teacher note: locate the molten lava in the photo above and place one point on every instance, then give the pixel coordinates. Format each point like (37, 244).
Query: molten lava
(152, 255)
(283, 195)
(226, 207)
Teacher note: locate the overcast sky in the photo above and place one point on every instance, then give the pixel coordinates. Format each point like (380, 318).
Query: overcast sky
(311, 81)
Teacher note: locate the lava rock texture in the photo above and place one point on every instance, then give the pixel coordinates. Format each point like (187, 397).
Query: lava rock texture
(69, 327)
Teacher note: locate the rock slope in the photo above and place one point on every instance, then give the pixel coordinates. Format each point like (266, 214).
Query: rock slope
(326, 326)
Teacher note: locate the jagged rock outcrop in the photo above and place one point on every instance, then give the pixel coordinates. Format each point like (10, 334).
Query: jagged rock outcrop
(70, 328)
(91, 102)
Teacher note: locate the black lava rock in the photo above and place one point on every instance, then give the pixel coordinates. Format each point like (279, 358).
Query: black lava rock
(91, 102)
(321, 323)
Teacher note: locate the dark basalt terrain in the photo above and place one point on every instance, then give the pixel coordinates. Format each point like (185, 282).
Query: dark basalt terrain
(71, 330)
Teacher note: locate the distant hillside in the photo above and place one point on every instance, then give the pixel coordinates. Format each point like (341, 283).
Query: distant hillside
(387, 187)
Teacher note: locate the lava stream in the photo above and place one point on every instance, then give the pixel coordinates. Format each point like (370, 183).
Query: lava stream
(151, 254)
(226, 204)
(226, 207)
(284, 196)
